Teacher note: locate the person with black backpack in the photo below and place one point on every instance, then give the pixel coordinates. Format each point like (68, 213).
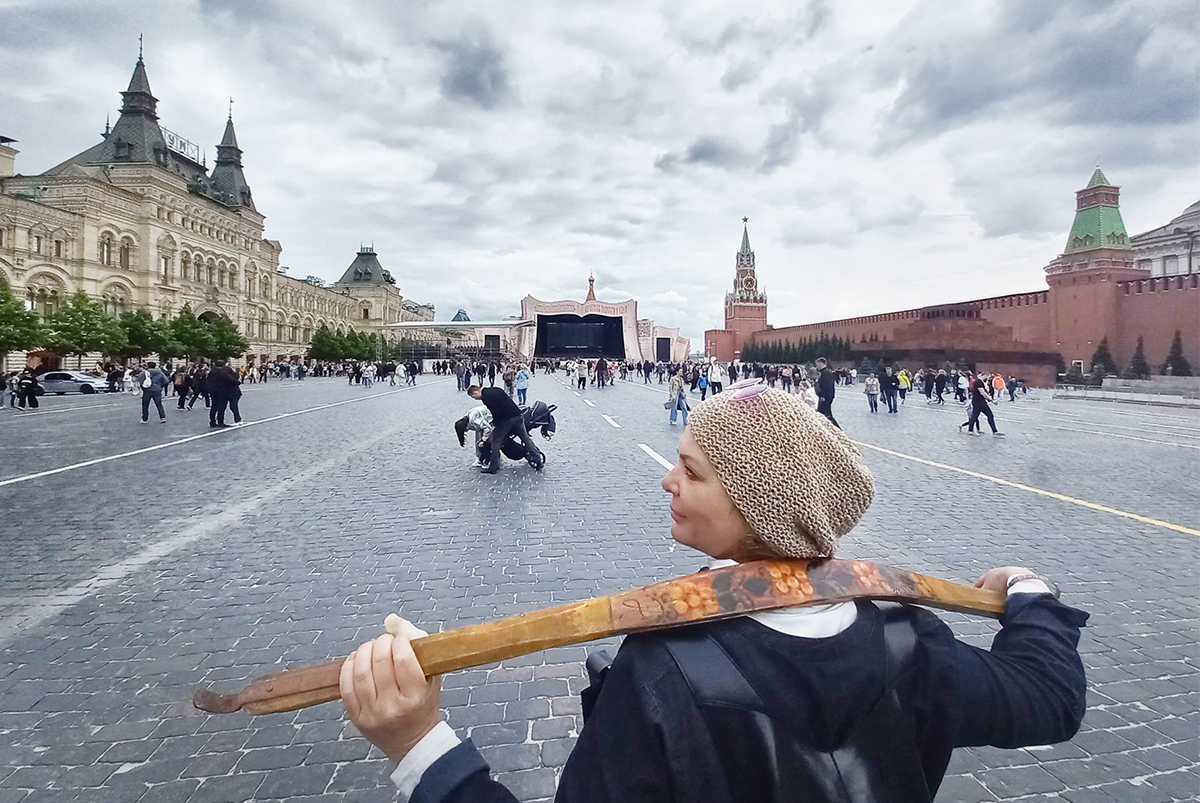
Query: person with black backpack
(843, 702)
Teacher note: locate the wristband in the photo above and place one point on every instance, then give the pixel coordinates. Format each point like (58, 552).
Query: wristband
(1016, 578)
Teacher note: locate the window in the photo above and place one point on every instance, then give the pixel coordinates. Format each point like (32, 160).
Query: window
(366, 314)
(114, 303)
(37, 243)
(221, 279)
(106, 250)
(125, 250)
(211, 274)
(58, 248)
(1, 238)
(164, 268)
(43, 301)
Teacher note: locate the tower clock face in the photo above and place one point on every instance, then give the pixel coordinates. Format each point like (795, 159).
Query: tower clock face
(748, 283)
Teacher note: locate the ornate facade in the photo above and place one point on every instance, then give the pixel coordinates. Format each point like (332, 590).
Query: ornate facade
(138, 220)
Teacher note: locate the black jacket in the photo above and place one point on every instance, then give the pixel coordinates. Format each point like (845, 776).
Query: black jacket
(825, 385)
(224, 382)
(649, 739)
(500, 405)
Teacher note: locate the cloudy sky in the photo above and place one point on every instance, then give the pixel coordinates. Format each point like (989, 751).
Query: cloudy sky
(888, 155)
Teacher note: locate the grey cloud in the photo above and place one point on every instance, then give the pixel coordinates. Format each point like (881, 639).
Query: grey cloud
(707, 150)
(1077, 62)
(475, 72)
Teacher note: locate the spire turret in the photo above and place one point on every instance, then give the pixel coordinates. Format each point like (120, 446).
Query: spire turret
(138, 97)
(745, 257)
(591, 296)
(227, 176)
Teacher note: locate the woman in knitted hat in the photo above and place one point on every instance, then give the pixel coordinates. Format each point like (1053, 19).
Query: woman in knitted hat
(843, 702)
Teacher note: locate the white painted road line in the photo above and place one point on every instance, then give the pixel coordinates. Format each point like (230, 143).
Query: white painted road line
(577, 393)
(1126, 437)
(662, 461)
(589, 402)
(609, 420)
(24, 414)
(210, 434)
(46, 606)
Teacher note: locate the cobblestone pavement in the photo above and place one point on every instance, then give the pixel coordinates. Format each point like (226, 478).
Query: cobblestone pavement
(128, 582)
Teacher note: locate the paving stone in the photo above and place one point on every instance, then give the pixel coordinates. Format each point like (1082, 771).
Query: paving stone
(308, 572)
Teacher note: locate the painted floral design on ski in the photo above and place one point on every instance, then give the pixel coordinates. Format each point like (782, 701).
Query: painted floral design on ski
(763, 585)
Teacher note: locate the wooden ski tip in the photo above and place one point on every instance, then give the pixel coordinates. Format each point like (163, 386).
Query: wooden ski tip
(215, 703)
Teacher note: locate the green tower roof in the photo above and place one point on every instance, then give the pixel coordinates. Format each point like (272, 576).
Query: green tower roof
(1098, 221)
(1098, 179)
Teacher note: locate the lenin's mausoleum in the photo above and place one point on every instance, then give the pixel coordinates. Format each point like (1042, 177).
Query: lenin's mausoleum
(1105, 284)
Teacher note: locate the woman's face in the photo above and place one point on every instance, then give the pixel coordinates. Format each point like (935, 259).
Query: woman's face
(702, 514)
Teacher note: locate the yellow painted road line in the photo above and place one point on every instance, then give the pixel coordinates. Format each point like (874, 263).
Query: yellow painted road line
(1040, 491)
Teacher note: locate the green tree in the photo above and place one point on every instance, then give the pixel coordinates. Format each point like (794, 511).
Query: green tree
(20, 329)
(81, 327)
(326, 345)
(190, 335)
(1103, 363)
(227, 339)
(1177, 364)
(143, 334)
(1138, 367)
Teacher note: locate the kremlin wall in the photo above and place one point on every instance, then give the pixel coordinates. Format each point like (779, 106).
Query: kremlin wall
(1105, 284)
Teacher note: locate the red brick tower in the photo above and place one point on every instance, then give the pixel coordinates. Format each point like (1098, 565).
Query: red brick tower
(745, 308)
(1083, 279)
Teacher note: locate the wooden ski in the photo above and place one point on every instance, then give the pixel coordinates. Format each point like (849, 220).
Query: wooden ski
(702, 597)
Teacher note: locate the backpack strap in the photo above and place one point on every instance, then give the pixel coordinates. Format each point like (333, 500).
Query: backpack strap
(710, 673)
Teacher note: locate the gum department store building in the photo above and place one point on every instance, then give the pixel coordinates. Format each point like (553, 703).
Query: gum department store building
(139, 221)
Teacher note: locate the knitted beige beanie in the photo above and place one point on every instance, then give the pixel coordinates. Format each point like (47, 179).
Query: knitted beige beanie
(797, 479)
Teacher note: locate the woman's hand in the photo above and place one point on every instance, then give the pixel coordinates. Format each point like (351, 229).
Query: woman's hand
(386, 694)
(997, 579)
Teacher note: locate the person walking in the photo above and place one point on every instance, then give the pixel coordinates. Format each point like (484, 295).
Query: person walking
(939, 385)
(702, 384)
(928, 382)
(677, 397)
(199, 386)
(903, 384)
(838, 702)
(871, 389)
(27, 389)
(979, 406)
(889, 384)
(825, 391)
(522, 380)
(152, 383)
(581, 373)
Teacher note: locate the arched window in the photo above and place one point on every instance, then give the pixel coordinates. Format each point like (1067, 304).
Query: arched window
(126, 250)
(106, 250)
(211, 272)
(44, 301)
(221, 279)
(114, 302)
(164, 268)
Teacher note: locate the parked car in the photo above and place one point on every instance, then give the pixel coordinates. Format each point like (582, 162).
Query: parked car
(61, 382)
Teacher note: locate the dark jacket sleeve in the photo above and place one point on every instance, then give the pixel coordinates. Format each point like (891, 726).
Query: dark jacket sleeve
(1029, 689)
(460, 776)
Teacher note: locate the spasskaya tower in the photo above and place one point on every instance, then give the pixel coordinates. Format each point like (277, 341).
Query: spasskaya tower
(745, 307)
